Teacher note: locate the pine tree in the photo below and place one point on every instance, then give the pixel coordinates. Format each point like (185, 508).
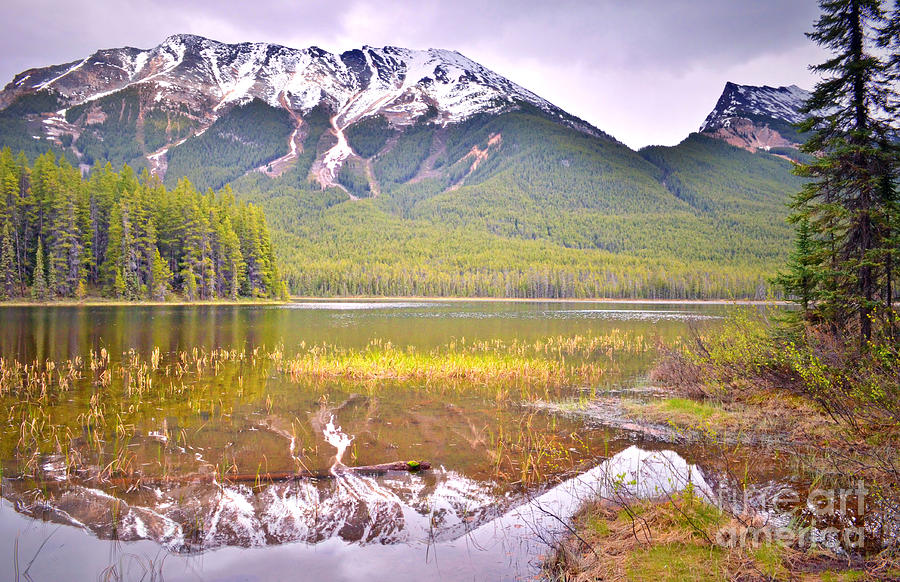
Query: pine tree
(844, 203)
(800, 280)
(190, 283)
(161, 278)
(7, 266)
(889, 40)
(81, 289)
(119, 288)
(39, 284)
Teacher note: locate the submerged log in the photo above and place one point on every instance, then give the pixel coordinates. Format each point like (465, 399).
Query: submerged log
(380, 469)
(132, 482)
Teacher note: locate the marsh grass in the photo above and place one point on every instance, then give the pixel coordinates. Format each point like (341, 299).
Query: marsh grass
(88, 410)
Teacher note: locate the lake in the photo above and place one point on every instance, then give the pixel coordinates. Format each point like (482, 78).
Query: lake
(221, 442)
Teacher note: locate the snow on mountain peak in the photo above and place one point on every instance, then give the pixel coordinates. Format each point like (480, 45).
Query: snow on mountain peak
(400, 83)
(743, 101)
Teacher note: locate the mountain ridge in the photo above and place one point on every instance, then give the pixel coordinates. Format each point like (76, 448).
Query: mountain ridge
(201, 79)
(379, 179)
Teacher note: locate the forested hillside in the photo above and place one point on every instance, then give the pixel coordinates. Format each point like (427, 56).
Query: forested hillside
(125, 236)
(391, 171)
(545, 212)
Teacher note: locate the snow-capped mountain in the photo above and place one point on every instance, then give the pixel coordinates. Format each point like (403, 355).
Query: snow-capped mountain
(203, 79)
(782, 103)
(757, 117)
(355, 84)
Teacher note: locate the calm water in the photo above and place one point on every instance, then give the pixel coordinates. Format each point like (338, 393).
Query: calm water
(471, 517)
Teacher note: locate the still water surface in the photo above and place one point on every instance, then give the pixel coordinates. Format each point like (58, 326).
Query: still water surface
(502, 471)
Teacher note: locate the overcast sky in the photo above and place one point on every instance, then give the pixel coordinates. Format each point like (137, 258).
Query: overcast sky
(645, 71)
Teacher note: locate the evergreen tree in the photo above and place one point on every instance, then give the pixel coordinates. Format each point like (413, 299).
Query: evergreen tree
(125, 234)
(81, 289)
(190, 283)
(844, 202)
(161, 278)
(39, 284)
(119, 288)
(8, 285)
(800, 281)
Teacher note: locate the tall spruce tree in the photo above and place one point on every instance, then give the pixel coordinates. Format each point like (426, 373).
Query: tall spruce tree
(39, 283)
(8, 285)
(844, 203)
(889, 40)
(160, 278)
(800, 280)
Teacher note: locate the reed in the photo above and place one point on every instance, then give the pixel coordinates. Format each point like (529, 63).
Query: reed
(86, 410)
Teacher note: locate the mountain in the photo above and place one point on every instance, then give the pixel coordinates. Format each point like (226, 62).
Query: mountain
(757, 117)
(401, 172)
(151, 100)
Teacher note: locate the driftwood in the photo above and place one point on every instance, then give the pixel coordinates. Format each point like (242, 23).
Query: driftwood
(132, 482)
(381, 469)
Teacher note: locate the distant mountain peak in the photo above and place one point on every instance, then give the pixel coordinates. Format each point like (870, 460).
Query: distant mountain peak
(781, 103)
(755, 117)
(165, 95)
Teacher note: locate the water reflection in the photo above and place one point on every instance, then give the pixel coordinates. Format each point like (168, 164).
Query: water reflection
(29, 333)
(437, 516)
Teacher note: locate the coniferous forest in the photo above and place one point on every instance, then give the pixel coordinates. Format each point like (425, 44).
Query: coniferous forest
(125, 236)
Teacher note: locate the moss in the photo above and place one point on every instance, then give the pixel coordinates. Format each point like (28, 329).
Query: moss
(598, 525)
(676, 562)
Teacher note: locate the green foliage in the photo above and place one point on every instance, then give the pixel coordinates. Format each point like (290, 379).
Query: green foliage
(401, 163)
(18, 134)
(39, 284)
(316, 123)
(31, 103)
(126, 236)
(859, 388)
(353, 177)
(162, 127)
(115, 138)
(8, 277)
(368, 136)
(801, 279)
(247, 137)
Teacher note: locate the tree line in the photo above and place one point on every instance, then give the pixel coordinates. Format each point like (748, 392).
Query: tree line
(126, 236)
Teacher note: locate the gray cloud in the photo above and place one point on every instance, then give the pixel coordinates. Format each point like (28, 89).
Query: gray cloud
(647, 71)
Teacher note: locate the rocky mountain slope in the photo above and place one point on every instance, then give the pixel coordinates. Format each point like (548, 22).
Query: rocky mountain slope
(159, 97)
(393, 171)
(753, 117)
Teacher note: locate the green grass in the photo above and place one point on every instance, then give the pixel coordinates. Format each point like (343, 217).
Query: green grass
(850, 576)
(695, 408)
(676, 562)
(769, 560)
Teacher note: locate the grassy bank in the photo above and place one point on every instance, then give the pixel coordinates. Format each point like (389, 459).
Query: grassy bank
(684, 538)
(825, 408)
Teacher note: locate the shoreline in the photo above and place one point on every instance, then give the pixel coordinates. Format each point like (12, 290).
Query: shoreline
(99, 302)
(539, 300)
